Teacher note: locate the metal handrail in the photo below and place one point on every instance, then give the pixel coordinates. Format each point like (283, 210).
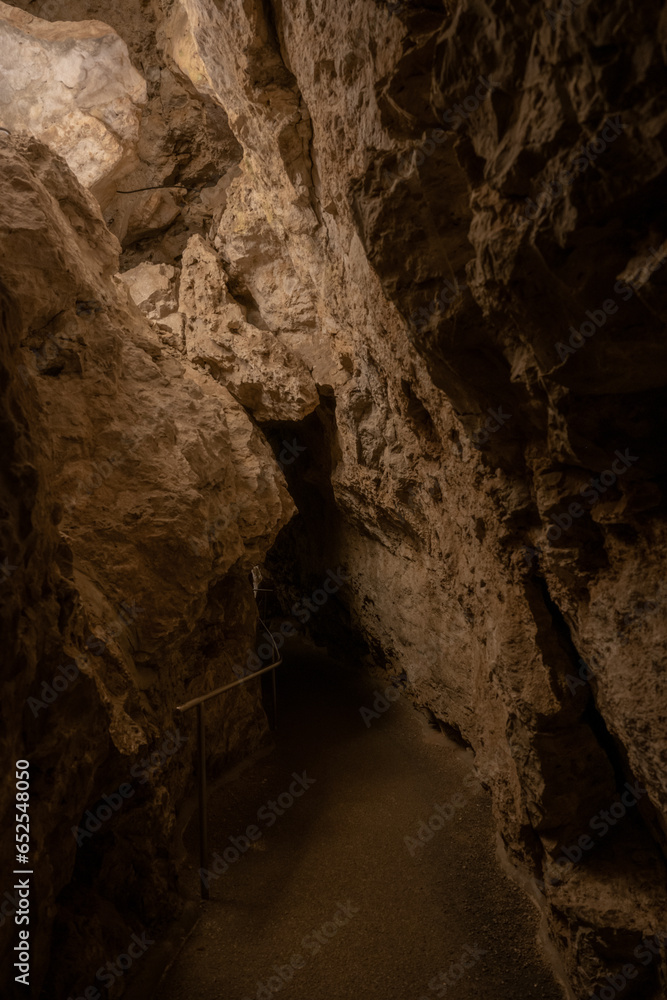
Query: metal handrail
(198, 703)
(227, 687)
(153, 187)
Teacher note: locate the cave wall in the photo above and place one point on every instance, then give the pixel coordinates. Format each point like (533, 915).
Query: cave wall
(445, 223)
(126, 583)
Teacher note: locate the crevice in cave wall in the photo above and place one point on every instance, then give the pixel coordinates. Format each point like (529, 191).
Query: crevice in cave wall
(387, 251)
(581, 676)
(308, 548)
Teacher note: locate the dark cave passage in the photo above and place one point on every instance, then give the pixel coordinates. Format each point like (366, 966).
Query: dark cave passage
(320, 884)
(349, 315)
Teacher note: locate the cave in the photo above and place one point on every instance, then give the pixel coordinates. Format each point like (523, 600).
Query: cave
(332, 507)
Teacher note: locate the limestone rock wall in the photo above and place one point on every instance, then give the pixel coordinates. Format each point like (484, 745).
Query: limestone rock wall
(423, 170)
(450, 218)
(73, 86)
(137, 496)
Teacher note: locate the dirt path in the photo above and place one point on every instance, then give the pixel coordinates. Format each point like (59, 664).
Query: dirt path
(327, 901)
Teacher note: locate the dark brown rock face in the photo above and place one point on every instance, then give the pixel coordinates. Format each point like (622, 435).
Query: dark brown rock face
(450, 222)
(125, 581)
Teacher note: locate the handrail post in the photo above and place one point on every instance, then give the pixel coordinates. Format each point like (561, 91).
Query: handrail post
(203, 819)
(198, 703)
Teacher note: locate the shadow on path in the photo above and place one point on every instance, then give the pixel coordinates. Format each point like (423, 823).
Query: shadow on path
(322, 899)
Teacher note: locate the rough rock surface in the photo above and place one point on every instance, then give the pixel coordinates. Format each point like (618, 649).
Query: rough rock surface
(397, 162)
(154, 288)
(193, 310)
(269, 380)
(72, 85)
(145, 496)
(452, 215)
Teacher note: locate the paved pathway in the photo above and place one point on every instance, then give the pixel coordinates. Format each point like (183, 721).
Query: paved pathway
(327, 901)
